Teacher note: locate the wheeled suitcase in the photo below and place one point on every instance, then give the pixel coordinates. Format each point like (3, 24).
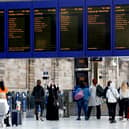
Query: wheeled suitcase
(16, 118)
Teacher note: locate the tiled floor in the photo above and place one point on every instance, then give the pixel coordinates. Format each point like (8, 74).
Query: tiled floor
(72, 123)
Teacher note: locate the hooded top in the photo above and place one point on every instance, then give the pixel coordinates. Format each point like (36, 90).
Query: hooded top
(112, 93)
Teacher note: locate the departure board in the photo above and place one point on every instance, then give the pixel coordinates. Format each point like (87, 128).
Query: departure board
(81, 62)
(122, 27)
(99, 28)
(1, 31)
(71, 29)
(18, 30)
(81, 76)
(45, 29)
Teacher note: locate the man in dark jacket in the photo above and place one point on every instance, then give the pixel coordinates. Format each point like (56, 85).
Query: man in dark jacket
(38, 93)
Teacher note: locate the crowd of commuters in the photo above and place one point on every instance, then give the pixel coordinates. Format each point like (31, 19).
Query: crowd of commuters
(3, 99)
(86, 96)
(110, 94)
(51, 101)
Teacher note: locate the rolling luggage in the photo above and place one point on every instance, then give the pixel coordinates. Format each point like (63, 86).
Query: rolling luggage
(16, 118)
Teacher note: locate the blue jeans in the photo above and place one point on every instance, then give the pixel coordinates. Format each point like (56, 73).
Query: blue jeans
(82, 104)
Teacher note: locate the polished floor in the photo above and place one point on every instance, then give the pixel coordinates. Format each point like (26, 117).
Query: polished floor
(72, 123)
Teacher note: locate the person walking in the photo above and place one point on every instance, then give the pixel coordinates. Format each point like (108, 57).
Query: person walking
(38, 93)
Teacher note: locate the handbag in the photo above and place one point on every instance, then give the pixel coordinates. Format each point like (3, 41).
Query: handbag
(79, 94)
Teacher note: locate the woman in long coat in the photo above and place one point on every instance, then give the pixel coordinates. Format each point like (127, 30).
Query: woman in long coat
(94, 101)
(52, 103)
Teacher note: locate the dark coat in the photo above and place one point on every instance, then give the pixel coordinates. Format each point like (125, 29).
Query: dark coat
(52, 103)
(38, 93)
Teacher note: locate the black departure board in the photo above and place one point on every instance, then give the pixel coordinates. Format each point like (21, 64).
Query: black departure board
(81, 62)
(45, 29)
(98, 28)
(122, 27)
(81, 76)
(2, 30)
(71, 29)
(18, 30)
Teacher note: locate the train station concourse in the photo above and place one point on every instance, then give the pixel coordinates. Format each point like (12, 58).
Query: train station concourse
(20, 77)
(64, 64)
(72, 123)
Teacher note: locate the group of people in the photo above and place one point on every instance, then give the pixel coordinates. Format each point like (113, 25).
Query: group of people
(120, 96)
(110, 93)
(52, 105)
(90, 99)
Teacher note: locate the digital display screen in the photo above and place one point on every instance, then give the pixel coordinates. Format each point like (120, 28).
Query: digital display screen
(18, 30)
(81, 63)
(81, 76)
(122, 27)
(71, 29)
(45, 29)
(99, 28)
(1, 31)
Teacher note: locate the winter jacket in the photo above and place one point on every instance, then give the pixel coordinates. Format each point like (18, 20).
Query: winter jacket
(112, 94)
(87, 93)
(94, 100)
(38, 93)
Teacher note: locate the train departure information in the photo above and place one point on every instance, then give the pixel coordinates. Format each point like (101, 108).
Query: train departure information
(71, 29)
(45, 29)
(1, 31)
(122, 27)
(99, 28)
(19, 30)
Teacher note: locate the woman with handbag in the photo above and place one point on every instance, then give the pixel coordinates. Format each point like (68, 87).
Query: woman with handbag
(82, 101)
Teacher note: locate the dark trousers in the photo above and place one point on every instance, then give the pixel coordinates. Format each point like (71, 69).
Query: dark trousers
(120, 108)
(124, 107)
(37, 105)
(82, 104)
(108, 108)
(98, 111)
(112, 110)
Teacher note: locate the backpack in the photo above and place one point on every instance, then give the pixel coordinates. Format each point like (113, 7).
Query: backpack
(99, 91)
